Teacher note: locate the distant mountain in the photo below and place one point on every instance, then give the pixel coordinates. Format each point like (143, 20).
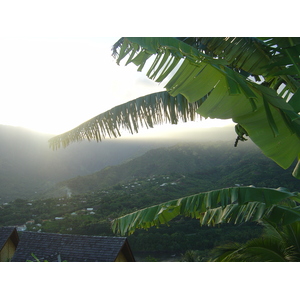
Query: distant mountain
(218, 162)
(28, 167)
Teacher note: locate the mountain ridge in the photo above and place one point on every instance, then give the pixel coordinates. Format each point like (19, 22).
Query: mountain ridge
(210, 160)
(28, 167)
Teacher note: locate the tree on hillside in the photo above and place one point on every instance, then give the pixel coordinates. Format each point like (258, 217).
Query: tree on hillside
(253, 81)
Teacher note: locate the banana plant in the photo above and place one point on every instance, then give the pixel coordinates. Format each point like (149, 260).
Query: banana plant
(230, 205)
(253, 81)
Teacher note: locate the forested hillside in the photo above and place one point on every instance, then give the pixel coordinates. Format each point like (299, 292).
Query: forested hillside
(154, 177)
(218, 162)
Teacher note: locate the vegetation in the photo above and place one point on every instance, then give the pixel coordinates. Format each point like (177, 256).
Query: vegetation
(277, 244)
(206, 161)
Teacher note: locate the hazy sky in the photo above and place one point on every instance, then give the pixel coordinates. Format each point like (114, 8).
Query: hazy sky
(54, 84)
(56, 68)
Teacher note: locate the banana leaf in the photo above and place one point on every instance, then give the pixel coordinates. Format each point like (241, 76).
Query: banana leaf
(235, 205)
(146, 111)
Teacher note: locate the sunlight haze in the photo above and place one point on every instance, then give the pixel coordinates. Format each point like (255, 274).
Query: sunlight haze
(51, 85)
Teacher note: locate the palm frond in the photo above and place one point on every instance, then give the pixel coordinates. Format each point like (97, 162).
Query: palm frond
(250, 55)
(278, 243)
(263, 249)
(275, 59)
(226, 253)
(246, 55)
(236, 205)
(149, 110)
(288, 235)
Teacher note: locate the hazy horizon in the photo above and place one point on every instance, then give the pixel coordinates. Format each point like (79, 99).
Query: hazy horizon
(184, 132)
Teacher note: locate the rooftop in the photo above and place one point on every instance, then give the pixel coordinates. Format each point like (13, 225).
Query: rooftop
(68, 247)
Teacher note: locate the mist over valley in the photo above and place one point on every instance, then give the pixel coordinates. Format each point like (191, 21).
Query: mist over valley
(29, 167)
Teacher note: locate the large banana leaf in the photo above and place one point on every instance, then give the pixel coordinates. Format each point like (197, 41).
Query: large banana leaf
(267, 57)
(149, 110)
(236, 205)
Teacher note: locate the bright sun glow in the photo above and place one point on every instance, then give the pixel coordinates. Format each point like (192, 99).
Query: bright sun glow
(52, 85)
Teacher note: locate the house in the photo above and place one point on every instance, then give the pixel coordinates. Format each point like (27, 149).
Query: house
(9, 240)
(22, 228)
(54, 247)
(30, 222)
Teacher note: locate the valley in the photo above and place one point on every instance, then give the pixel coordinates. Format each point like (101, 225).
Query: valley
(87, 203)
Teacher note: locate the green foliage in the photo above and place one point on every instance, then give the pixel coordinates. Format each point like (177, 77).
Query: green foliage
(191, 256)
(36, 259)
(141, 112)
(205, 161)
(236, 205)
(149, 258)
(277, 244)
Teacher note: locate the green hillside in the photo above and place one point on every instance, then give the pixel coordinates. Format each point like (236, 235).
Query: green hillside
(154, 177)
(208, 162)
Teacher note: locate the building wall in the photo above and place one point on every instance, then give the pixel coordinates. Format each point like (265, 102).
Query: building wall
(7, 251)
(121, 257)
